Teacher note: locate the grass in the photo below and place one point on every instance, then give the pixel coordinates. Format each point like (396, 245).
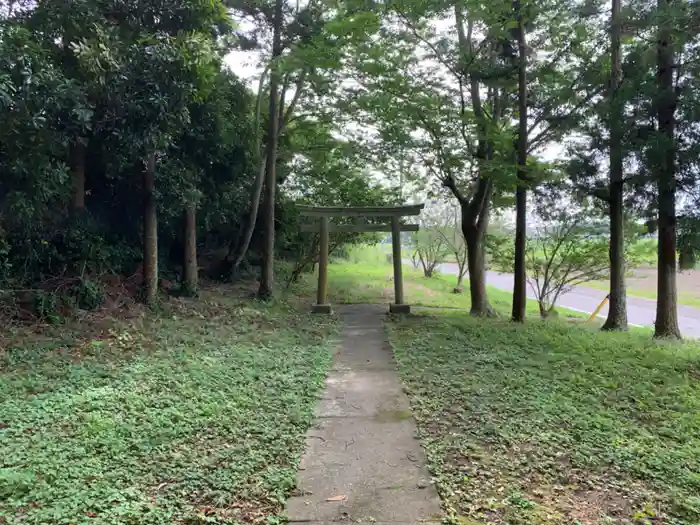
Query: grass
(686, 299)
(549, 423)
(194, 415)
(366, 277)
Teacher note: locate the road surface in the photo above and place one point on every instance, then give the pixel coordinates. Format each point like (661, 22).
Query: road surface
(640, 311)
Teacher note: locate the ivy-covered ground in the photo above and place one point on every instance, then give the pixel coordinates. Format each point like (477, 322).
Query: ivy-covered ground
(551, 423)
(194, 415)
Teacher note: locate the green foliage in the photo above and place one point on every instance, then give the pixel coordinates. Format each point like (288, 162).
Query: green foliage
(121, 82)
(531, 425)
(326, 172)
(198, 418)
(430, 248)
(688, 241)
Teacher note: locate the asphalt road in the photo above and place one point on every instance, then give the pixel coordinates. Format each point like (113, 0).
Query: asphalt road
(640, 311)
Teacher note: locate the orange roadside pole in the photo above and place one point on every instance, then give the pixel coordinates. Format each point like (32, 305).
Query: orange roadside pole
(600, 307)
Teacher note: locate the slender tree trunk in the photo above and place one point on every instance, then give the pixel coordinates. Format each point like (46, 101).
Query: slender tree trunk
(666, 301)
(519, 271)
(190, 266)
(267, 272)
(150, 232)
(617, 309)
(242, 248)
(243, 244)
(77, 167)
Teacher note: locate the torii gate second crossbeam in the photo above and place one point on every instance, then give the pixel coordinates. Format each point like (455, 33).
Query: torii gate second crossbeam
(395, 213)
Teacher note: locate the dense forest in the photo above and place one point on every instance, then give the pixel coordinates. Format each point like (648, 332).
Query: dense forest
(131, 154)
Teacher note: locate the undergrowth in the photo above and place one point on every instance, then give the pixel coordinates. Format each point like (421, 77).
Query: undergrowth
(549, 423)
(194, 414)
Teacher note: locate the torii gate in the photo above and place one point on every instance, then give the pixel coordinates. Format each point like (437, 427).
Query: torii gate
(396, 212)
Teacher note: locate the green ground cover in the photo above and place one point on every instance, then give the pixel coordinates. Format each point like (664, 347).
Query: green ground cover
(550, 423)
(193, 415)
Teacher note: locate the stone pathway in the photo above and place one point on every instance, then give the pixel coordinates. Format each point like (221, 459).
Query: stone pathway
(363, 461)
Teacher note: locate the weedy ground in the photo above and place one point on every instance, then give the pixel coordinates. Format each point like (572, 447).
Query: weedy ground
(549, 423)
(195, 414)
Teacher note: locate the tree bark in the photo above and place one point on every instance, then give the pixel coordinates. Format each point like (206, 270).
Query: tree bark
(190, 266)
(475, 219)
(77, 167)
(476, 262)
(242, 248)
(268, 260)
(150, 232)
(519, 270)
(666, 300)
(617, 309)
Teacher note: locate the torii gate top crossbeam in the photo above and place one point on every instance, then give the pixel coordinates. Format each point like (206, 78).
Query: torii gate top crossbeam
(372, 211)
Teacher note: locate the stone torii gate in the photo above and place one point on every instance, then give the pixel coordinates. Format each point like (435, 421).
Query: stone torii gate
(395, 213)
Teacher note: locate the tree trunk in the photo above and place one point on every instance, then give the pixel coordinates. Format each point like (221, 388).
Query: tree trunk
(666, 302)
(242, 248)
(150, 232)
(190, 267)
(617, 309)
(243, 244)
(687, 258)
(267, 271)
(519, 271)
(476, 263)
(77, 168)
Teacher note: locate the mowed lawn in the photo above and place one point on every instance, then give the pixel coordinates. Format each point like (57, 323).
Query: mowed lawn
(194, 415)
(548, 423)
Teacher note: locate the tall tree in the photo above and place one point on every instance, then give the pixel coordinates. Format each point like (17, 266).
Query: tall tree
(519, 268)
(617, 310)
(268, 260)
(666, 324)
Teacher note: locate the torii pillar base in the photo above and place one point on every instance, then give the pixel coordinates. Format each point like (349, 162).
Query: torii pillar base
(399, 309)
(322, 309)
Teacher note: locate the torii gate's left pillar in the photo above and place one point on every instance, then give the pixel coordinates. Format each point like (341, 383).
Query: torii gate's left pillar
(322, 306)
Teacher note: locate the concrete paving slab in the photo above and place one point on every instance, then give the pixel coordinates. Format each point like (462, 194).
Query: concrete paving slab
(364, 357)
(376, 463)
(363, 462)
(353, 393)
